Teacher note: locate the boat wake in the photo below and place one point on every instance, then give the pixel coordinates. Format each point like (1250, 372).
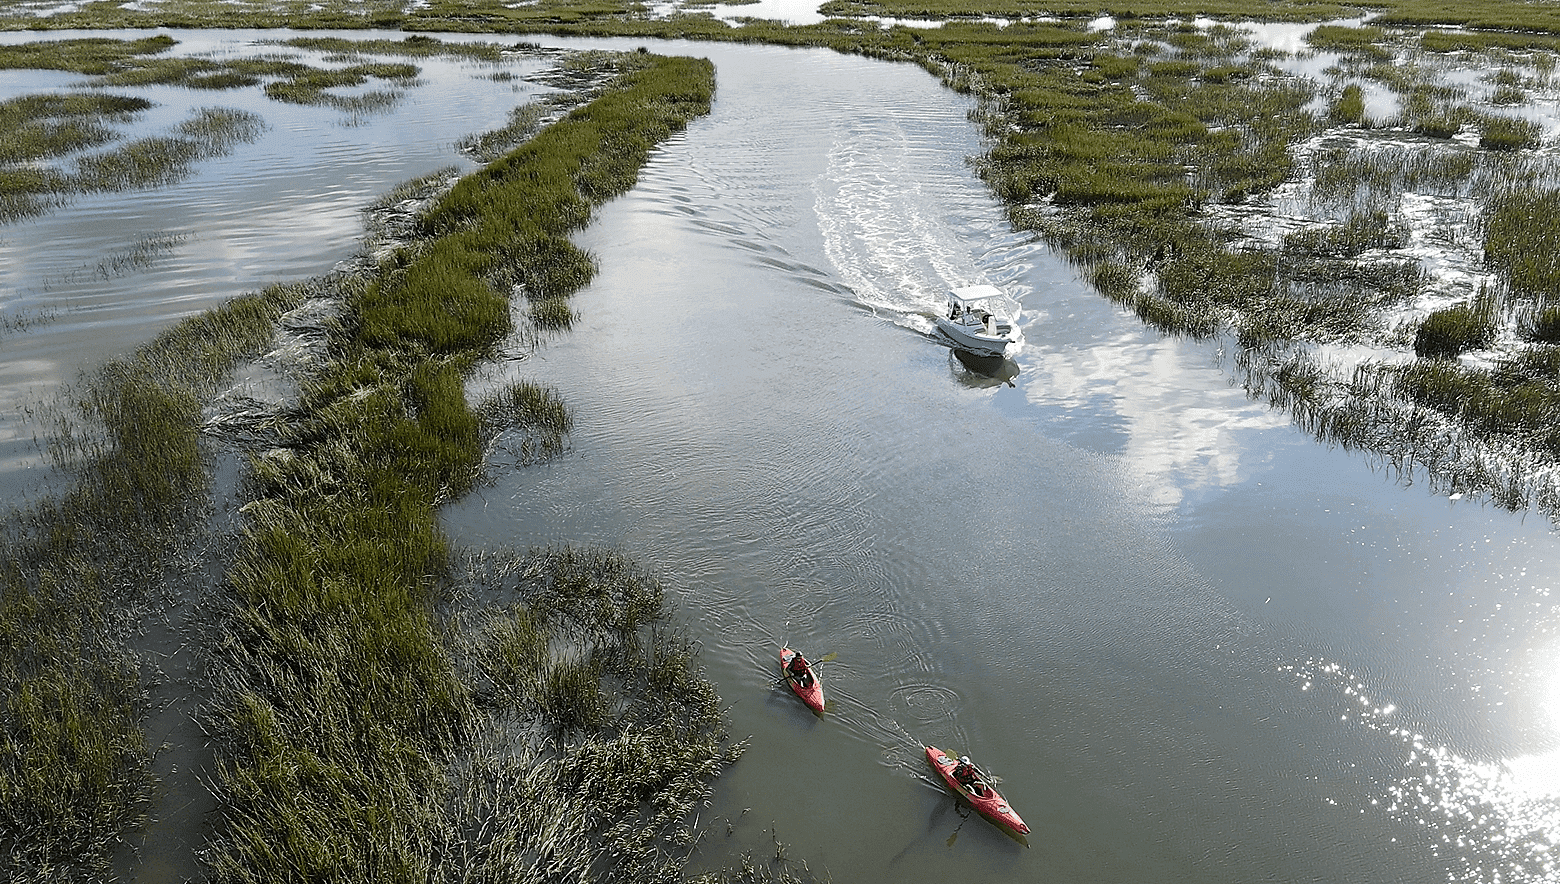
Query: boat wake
(882, 209)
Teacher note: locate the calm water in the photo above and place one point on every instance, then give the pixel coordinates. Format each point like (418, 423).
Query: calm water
(1196, 645)
(95, 280)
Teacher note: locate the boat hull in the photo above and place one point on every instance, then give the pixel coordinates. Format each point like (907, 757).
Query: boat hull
(992, 805)
(812, 694)
(974, 342)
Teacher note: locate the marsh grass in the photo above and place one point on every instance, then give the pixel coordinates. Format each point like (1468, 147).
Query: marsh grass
(1517, 400)
(51, 127)
(1542, 325)
(48, 125)
(1508, 133)
(35, 128)
(143, 163)
(311, 86)
(1509, 95)
(75, 767)
(1361, 41)
(535, 414)
(621, 735)
(413, 46)
(338, 680)
(524, 122)
(1377, 177)
(1522, 241)
(1349, 107)
(1362, 232)
(219, 129)
(100, 56)
(1455, 330)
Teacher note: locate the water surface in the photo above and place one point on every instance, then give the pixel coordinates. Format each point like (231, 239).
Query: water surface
(93, 280)
(1196, 645)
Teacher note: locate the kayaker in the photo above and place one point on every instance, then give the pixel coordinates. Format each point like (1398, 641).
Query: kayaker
(967, 776)
(799, 671)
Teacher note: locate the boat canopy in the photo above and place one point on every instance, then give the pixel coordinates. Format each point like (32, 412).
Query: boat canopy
(971, 294)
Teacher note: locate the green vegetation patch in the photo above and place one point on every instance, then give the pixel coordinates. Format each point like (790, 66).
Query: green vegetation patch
(524, 122)
(1508, 133)
(1231, 10)
(75, 776)
(50, 125)
(1517, 400)
(531, 421)
(344, 715)
(163, 160)
(1456, 330)
(415, 46)
(593, 733)
(101, 55)
(1365, 41)
(55, 127)
(1349, 107)
(1439, 40)
(1522, 242)
(311, 85)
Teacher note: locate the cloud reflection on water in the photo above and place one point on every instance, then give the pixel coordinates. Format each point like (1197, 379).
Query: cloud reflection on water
(1178, 445)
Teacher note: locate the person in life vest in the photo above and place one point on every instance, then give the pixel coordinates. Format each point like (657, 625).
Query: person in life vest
(797, 669)
(968, 776)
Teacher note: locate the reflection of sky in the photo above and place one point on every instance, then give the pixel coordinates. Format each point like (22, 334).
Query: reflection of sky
(285, 207)
(1178, 449)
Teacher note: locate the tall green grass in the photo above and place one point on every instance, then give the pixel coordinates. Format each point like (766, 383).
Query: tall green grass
(1364, 41)
(1455, 330)
(1349, 107)
(1518, 400)
(342, 712)
(75, 767)
(1522, 241)
(92, 55)
(48, 125)
(536, 414)
(572, 654)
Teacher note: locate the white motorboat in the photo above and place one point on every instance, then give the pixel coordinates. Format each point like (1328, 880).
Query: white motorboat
(974, 321)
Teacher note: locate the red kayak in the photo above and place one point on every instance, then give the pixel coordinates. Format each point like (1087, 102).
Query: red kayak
(806, 687)
(983, 797)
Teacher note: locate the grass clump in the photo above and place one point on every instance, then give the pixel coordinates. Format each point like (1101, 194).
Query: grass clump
(61, 127)
(98, 55)
(50, 125)
(524, 121)
(1544, 327)
(1362, 232)
(538, 416)
(575, 651)
(1456, 330)
(1365, 41)
(1508, 133)
(1522, 241)
(1349, 107)
(1513, 401)
(311, 86)
(413, 46)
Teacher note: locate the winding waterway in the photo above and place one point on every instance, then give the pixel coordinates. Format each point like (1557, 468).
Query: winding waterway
(1195, 645)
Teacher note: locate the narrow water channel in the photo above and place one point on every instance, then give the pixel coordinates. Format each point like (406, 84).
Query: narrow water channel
(1195, 645)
